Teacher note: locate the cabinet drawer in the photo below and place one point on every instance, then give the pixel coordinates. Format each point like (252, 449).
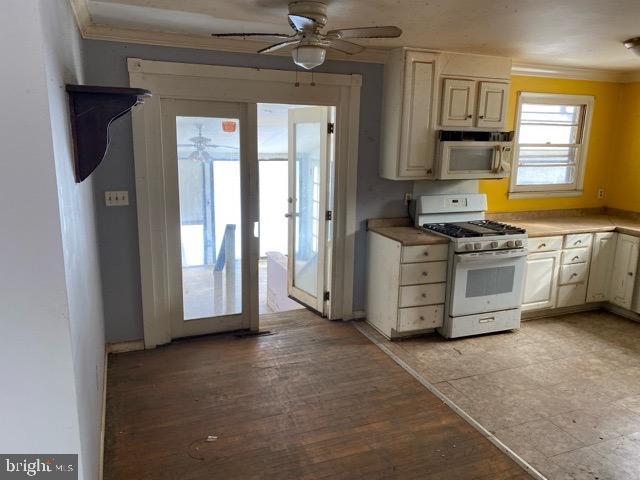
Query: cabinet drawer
(578, 240)
(576, 273)
(428, 272)
(570, 295)
(419, 318)
(544, 244)
(576, 255)
(425, 253)
(417, 295)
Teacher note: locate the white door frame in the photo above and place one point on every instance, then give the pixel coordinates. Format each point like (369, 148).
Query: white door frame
(236, 84)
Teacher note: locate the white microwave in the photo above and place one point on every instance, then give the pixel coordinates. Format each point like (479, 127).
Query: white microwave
(473, 155)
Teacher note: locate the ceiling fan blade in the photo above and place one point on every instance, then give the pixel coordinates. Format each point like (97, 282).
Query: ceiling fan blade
(278, 46)
(366, 32)
(252, 34)
(301, 23)
(345, 47)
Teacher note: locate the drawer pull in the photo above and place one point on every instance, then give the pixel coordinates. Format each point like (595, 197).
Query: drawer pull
(426, 253)
(542, 245)
(424, 295)
(630, 274)
(575, 258)
(425, 274)
(577, 242)
(422, 317)
(574, 275)
(487, 320)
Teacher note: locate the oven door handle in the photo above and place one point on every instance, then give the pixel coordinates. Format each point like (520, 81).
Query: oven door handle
(490, 256)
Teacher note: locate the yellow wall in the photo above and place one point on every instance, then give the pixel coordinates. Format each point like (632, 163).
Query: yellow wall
(624, 181)
(600, 154)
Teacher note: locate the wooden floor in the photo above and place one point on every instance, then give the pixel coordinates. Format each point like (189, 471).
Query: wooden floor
(315, 400)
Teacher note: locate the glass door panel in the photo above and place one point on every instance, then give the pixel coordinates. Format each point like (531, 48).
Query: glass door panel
(209, 174)
(308, 165)
(208, 152)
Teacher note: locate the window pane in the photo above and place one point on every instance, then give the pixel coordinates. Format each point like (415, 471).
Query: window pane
(546, 175)
(544, 113)
(548, 134)
(547, 155)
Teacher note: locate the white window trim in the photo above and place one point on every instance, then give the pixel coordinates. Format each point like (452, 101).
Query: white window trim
(533, 191)
(238, 84)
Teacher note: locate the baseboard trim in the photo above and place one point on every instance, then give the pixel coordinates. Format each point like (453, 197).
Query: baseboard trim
(552, 312)
(453, 406)
(122, 347)
(355, 315)
(623, 312)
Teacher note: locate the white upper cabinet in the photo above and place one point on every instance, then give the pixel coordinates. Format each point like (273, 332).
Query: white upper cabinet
(493, 99)
(474, 103)
(408, 135)
(624, 271)
(458, 102)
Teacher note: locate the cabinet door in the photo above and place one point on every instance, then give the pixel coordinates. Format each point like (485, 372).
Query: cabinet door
(492, 104)
(541, 281)
(458, 103)
(625, 265)
(417, 138)
(604, 249)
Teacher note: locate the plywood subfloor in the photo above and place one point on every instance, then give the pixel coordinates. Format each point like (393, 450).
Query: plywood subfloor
(315, 400)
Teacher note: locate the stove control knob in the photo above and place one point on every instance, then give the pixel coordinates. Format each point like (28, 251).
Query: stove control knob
(477, 246)
(469, 246)
(511, 243)
(518, 243)
(494, 245)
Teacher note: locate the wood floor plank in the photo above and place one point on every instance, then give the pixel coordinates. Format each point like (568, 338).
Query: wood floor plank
(316, 400)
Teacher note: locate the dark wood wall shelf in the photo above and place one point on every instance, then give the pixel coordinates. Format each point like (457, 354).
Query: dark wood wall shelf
(92, 110)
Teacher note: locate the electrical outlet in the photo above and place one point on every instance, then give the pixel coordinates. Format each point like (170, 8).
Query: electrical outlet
(601, 193)
(407, 198)
(118, 198)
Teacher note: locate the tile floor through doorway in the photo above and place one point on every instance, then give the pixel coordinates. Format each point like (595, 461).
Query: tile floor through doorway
(562, 392)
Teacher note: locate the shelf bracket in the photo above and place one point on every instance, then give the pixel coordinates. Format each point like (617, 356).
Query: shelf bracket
(92, 110)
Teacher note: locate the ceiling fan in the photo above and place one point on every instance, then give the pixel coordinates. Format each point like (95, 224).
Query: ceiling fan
(308, 18)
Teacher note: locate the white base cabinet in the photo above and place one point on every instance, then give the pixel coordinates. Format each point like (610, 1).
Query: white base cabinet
(623, 275)
(541, 281)
(405, 286)
(604, 250)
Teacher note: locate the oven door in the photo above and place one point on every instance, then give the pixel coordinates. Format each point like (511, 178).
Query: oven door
(486, 281)
(470, 159)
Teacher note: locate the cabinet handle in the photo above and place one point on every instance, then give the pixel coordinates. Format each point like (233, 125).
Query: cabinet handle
(424, 274)
(422, 317)
(630, 274)
(469, 116)
(574, 275)
(424, 295)
(481, 116)
(429, 171)
(426, 253)
(577, 242)
(542, 245)
(575, 258)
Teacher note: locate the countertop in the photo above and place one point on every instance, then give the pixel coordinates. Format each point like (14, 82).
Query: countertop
(409, 236)
(537, 224)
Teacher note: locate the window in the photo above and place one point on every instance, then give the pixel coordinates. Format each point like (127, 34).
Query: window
(552, 134)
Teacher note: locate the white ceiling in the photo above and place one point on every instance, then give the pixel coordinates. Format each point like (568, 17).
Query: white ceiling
(575, 33)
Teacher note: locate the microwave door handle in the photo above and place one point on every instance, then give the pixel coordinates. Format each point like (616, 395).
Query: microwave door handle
(496, 158)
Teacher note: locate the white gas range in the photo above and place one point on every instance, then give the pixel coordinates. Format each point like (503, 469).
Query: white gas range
(486, 264)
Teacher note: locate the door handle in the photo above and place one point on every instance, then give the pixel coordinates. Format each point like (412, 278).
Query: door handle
(288, 215)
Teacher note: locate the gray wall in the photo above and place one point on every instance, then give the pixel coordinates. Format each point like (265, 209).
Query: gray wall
(105, 64)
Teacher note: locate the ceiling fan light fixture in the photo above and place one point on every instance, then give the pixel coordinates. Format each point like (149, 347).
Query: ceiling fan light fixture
(633, 44)
(308, 56)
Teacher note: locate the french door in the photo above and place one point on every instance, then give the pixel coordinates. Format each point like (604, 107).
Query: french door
(309, 191)
(211, 184)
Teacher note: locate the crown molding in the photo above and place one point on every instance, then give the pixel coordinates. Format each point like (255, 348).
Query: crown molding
(81, 12)
(573, 73)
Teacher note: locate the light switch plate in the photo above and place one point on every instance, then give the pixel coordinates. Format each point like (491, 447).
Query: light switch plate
(118, 198)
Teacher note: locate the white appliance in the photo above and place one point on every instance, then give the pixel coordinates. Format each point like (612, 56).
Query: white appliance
(486, 264)
(472, 155)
